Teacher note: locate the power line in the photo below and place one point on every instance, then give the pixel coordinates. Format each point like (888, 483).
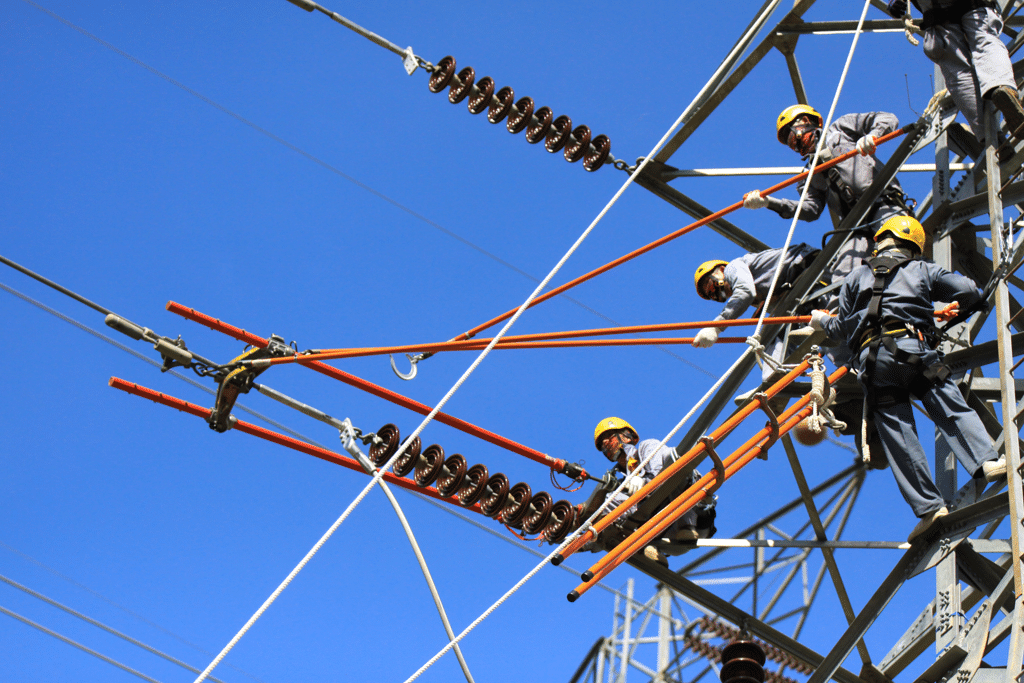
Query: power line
(98, 624)
(333, 169)
(81, 647)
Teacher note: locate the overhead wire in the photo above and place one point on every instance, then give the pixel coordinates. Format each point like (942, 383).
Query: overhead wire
(338, 172)
(813, 166)
(134, 615)
(586, 524)
(469, 371)
(98, 624)
(81, 647)
(522, 308)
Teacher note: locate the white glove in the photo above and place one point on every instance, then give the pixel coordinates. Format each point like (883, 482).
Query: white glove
(818, 319)
(754, 200)
(633, 484)
(866, 145)
(706, 337)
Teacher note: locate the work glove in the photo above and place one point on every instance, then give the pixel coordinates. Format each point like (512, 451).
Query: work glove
(818, 319)
(947, 312)
(866, 145)
(634, 484)
(897, 8)
(706, 337)
(754, 200)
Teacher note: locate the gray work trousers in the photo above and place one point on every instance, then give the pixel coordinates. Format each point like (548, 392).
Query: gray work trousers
(894, 422)
(972, 59)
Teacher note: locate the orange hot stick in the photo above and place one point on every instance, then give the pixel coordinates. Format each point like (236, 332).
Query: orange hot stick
(688, 457)
(280, 439)
(507, 342)
(667, 516)
(671, 236)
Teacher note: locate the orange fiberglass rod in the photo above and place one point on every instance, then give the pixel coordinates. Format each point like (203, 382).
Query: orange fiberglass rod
(717, 435)
(280, 439)
(671, 236)
(518, 341)
(693, 495)
(379, 391)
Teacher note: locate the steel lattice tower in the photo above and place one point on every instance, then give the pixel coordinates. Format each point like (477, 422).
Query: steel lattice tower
(978, 596)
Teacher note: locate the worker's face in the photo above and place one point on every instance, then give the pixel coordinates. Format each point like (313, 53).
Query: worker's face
(802, 138)
(714, 286)
(612, 442)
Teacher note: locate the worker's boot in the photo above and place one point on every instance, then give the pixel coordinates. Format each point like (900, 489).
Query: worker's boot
(1007, 101)
(994, 470)
(926, 523)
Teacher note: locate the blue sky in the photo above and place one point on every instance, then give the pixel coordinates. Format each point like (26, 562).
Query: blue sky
(132, 191)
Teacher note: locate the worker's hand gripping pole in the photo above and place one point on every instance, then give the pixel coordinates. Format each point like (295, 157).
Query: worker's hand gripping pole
(717, 435)
(693, 495)
(678, 233)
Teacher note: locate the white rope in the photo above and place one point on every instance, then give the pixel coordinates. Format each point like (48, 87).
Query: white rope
(810, 174)
(430, 416)
(581, 529)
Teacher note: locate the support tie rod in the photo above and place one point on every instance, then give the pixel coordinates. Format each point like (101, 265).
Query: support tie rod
(173, 351)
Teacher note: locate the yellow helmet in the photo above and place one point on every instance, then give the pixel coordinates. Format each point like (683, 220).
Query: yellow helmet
(705, 268)
(607, 425)
(904, 228)
(789, 114)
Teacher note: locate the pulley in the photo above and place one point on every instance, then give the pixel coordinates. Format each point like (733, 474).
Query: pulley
(742, 662)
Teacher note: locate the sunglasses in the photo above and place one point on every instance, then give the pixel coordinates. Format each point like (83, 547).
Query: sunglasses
(711, 289)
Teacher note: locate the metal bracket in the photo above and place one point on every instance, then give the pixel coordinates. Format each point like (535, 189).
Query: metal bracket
(414, 359)
(709, 449)
(773, 424)
(409, 61)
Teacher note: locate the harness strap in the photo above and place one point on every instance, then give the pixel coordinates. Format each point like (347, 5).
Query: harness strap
(953, 13)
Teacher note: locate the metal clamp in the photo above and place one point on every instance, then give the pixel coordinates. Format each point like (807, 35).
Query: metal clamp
(709, 449)
(773, 424)
(414, 359)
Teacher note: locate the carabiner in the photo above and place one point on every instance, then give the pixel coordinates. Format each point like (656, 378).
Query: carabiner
(413, 360)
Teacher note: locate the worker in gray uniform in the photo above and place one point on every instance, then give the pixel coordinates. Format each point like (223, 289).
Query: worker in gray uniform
(620, 444)
(745, 281)
(885, 314)
(839, 187)
(962, 38)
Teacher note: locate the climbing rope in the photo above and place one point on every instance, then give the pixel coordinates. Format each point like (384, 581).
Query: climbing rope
(810, 172)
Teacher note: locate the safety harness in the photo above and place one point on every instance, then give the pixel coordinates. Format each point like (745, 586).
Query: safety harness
(892, 196)
(952, 13)
(880, 332)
